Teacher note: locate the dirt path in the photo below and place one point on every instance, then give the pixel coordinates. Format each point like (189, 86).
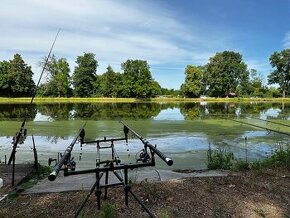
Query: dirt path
(250, 194)
(86, 181)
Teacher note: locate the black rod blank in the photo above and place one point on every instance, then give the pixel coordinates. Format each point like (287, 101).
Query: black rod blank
(167, 160)
(65, 157)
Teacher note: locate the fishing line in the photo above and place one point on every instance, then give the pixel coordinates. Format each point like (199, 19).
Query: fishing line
(269, 121)
(22, 130)
(268, 129)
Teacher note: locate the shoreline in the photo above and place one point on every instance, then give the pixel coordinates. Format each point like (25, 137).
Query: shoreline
(40, 100)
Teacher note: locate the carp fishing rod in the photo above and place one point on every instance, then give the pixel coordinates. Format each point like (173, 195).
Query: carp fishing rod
(22, 131)
(261, 127)
(167, 160)
(110, 166)
(67, 154)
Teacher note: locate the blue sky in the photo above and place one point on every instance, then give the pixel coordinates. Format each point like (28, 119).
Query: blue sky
(168, 34)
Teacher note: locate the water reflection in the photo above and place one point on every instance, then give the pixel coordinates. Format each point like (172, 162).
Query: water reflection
(17, 111)
(158, 111)
(184, 131)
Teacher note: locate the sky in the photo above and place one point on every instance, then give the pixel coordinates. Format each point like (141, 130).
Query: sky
(168, 34)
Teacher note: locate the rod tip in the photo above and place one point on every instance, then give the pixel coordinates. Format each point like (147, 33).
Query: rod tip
(169, 161)
(52, 176)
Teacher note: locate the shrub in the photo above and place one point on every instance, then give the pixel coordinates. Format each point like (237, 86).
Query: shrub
(219, 159)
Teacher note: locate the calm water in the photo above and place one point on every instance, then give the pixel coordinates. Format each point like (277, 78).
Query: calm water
(183, 131)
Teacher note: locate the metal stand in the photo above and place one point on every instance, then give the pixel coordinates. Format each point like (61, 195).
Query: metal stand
(146, 158)
(107, 167)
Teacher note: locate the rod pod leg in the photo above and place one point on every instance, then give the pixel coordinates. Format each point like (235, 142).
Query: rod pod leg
(98, 190)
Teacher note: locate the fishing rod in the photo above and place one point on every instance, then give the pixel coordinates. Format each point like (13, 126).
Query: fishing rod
(67, 154)
(22, 131)
(106, 167)
(282, 124)
(167, 160)
(268, 129)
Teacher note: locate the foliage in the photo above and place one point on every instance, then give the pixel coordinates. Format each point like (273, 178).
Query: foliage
(16, 78)
(138, 81)
(58, 82)
(110, 83)
(5, 88)
(219, 159)
(241, 165)
(281, 75)
(170, 92)
(108, 210)
(164, 213)
(224, 73)
(280, 158)
(222, 159)
(39, 174)
(194, 84)
(84, 76)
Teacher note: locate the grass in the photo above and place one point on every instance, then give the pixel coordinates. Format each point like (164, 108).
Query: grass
(219, 210)
(89, 100)
(65, 100)
(280, 158)
(220, 159)
(164, 213)
(224, 159)
(108, 210)
(39, 174)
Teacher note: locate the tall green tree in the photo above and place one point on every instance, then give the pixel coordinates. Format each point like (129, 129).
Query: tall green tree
(20, 77)
(84, 77)
(225, 72)
(256, 87)
(194, 84)
(5, 87)
(109, 83)
(281, 75)
(137, 80)
(58, 84)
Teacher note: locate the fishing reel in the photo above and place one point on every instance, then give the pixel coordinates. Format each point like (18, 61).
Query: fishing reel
(144, 157)
(21, 135)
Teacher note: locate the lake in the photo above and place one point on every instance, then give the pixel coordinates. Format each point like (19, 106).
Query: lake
(182, 131)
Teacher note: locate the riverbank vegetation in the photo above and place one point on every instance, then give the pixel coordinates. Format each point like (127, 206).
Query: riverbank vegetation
(258, 192)
(225, 75)
(42, 100)
(224, 159)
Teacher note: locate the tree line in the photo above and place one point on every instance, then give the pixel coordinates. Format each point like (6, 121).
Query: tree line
(225, 74)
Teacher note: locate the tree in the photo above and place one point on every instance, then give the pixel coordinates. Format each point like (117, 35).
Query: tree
(84, 76)
(281, 75)
(20, 77)
(58, 83)
(138, 81)
(109, 83)
(256, 87)
(5, 87)
(225, 72)
(194, 84)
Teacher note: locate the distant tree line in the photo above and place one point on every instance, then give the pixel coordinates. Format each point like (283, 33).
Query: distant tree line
(226, 74)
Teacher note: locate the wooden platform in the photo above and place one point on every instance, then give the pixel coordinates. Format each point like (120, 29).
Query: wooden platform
(21, 172)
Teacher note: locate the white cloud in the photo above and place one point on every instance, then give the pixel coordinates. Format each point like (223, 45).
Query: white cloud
(263, 68)
(113, 30)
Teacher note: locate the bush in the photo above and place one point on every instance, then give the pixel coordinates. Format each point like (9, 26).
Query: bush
(219, 159)
(241, 165)
(223, 159)
(280, 158)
